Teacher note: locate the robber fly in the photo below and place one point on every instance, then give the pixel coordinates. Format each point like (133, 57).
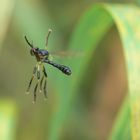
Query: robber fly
(42, 56)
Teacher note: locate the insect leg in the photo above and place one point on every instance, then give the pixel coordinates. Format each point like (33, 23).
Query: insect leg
(49, 32)
(34, 71)
(38, 79)
(45, 83)
(41, 83)
(42, 79)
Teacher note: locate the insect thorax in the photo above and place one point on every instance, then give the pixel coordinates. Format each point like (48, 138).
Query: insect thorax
(41, 54)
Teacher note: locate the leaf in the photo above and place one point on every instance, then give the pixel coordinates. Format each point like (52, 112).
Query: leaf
(93, 25)
(122, 127)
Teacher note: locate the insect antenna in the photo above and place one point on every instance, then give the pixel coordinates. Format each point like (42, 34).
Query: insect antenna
(28, 42)
(47, 38)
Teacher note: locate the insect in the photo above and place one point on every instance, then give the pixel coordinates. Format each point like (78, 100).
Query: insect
(39, 71)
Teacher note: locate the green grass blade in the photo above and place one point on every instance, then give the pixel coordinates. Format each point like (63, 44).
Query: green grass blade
(122, 127)
(92, 27)
(82, 40)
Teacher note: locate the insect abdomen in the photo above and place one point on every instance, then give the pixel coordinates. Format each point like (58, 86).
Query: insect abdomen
(66, 70)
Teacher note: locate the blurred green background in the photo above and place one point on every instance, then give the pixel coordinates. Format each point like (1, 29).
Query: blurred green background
(94, 109)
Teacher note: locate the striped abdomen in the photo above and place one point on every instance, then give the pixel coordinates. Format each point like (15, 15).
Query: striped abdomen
(66, 70)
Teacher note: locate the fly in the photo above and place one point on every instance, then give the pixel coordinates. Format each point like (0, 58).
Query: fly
(42, 56)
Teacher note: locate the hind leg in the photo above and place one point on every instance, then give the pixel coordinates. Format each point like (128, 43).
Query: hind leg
(34, 71)
(45, 83)
(38, 80)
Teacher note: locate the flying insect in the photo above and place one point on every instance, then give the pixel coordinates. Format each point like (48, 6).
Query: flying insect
(39, 71)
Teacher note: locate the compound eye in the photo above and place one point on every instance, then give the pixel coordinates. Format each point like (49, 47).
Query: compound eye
(36, 49)
(31, 52)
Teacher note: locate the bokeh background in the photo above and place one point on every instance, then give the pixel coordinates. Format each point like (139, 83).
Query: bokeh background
(94, 113)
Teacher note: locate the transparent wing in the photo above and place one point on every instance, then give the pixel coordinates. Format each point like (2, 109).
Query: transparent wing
(66, 54)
